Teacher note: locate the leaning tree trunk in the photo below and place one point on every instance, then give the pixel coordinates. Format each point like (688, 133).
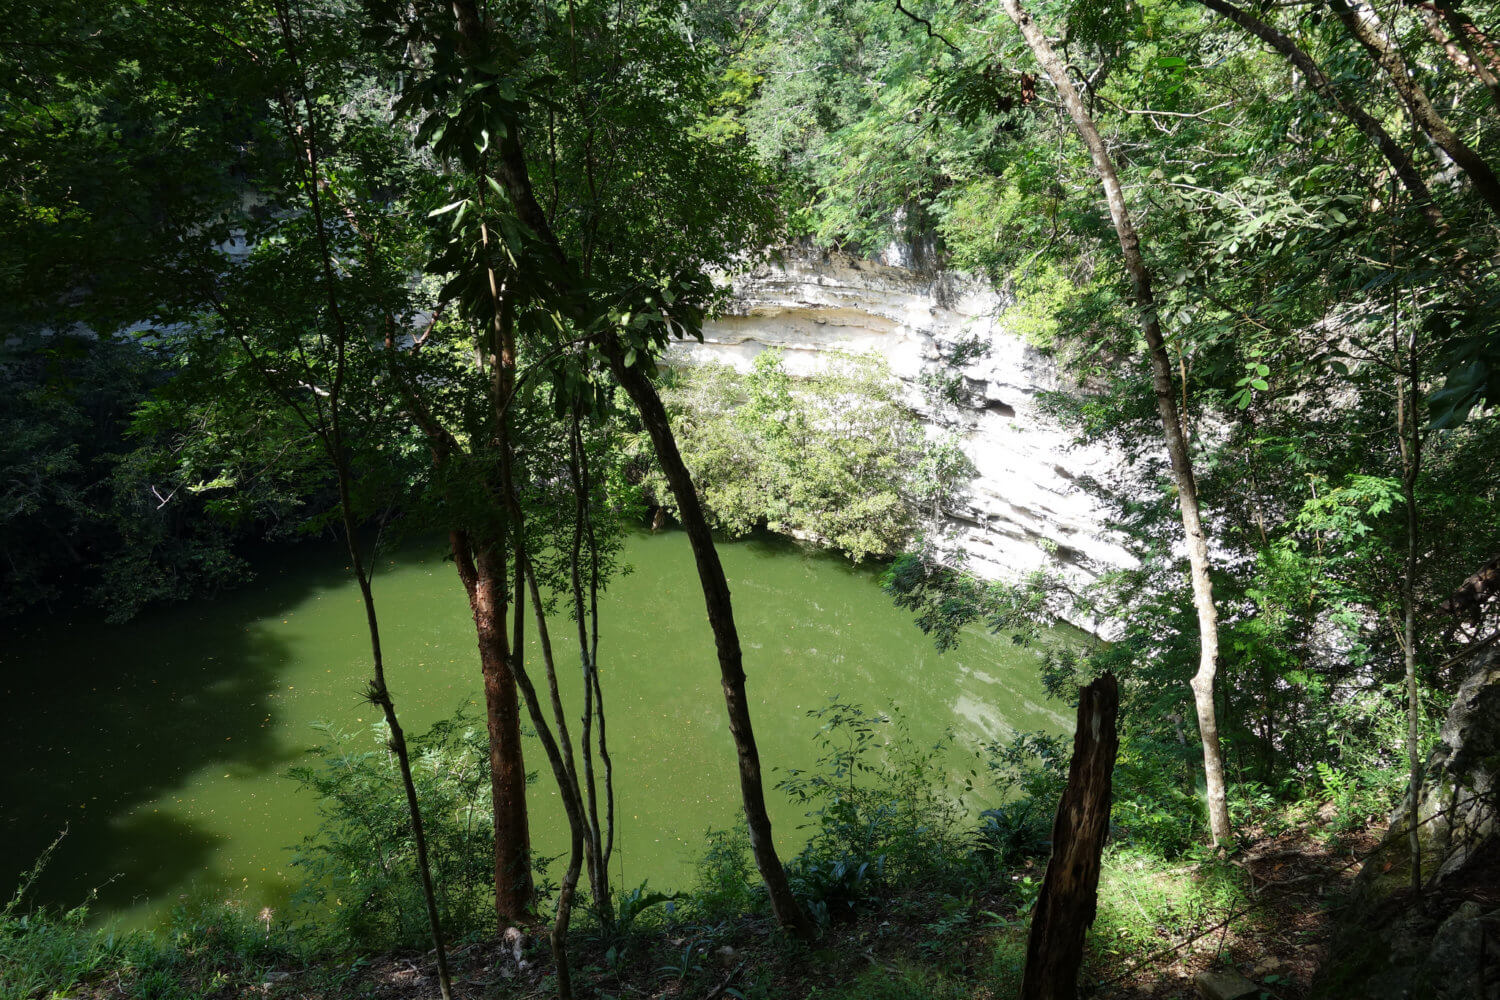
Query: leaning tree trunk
(643, 393)
(1363, 24)
(1397, 157)
(1166, 405)
(1065, 909)
(1463, 46)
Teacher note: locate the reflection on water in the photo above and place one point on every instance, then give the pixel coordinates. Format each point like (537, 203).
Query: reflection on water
(162, 745)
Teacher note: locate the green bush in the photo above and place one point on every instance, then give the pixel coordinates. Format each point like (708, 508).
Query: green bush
(837, 457)
(361, 877)
(1029, 772)
(881, 814)
(1143, 901)
(728, 884)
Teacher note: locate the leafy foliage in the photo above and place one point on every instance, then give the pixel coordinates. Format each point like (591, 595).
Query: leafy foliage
(835, 456)
(360, 868)
(104, 504)
(880, 812)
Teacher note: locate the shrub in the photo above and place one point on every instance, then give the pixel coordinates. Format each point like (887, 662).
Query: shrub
(361, 864)
(46, 952)
(728, 884)
(836, 456)
(882, 816)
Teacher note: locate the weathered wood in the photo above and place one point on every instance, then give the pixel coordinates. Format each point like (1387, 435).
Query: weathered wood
(1065, 909)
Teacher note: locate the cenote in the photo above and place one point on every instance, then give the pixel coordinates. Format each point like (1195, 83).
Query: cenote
(162, 746)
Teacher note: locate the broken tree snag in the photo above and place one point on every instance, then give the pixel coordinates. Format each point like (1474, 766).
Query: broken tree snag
(1065, 909)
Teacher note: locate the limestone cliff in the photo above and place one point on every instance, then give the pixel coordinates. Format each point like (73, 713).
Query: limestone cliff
(1025, 509)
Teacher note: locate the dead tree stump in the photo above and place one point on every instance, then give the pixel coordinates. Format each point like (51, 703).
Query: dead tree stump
(1065, 909)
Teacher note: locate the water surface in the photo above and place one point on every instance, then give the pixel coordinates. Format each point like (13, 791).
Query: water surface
(162, 745)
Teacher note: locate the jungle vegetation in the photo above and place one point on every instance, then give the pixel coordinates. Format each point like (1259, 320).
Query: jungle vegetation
(314, 266)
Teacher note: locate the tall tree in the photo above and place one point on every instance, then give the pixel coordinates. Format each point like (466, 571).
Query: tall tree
(626, 324)
(1167, 409)
(302, 348)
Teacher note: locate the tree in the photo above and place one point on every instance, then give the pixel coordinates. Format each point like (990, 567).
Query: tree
(1066, 906)
(835, 457)
(302, 351)
(596, 286)
(1166, 403)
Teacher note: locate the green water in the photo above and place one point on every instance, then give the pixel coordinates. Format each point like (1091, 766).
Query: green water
(162, 745)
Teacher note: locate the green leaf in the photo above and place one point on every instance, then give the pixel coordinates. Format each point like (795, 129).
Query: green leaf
(447, 208)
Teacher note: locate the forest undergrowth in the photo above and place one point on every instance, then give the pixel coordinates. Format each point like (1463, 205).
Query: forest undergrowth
(915, 896)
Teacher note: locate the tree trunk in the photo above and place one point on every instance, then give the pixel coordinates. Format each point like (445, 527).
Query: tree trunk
(484, 578)
(643, 393)
(1361, 21)
(593, 702)
(1166, 405)
(330, 433)
(1409, 439)
(1065, 909)
(1439, 19)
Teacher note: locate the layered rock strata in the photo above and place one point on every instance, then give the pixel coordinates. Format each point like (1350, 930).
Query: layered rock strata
(1025, 509)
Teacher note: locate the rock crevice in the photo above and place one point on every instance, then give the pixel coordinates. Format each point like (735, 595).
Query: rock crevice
(1444, 942)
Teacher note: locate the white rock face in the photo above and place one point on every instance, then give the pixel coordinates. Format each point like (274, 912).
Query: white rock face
(1025, 510)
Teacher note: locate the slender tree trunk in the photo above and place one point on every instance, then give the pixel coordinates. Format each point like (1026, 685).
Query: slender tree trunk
(598, 865)
(1363, 24)
(558, 746)
(1166, 404)
(607, 834)
(1065, 909)
(484, 577)
(380, 694)
(1439, 20)
(648, 403)
(331, 434)
(1409, 435)
(1479, 47)
(1396, 156)
(559, 749)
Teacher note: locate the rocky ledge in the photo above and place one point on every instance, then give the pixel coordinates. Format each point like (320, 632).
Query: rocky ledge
(1025, 509)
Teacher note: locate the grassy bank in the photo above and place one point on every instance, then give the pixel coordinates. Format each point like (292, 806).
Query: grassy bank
(915, 899)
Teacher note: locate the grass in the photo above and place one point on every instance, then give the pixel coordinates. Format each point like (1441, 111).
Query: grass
(1144, 902)
(58, 954)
